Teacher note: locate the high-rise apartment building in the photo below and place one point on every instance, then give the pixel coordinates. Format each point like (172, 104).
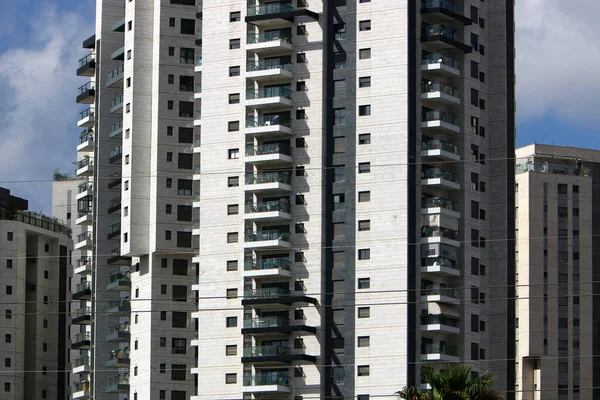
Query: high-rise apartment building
(356, 213)
(557, 244)
(34, 294)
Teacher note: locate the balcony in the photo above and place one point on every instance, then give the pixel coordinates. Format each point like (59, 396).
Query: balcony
(87, 118)
(273, 296)
(273, 355)
(89, 43)
(86, 93)
(118, 384)
(198, 40)
(84, 266)
(438, 234)
(269, 382)
(116, 105)
(269, 154)
(271, 125)
(270, 99)
(87, 65)
(114, 205)
(81, 390)
(439, 121)
(115, 179)
(116, 129)
(81, 341)
(439, 150)
(267, 268)
(86, 140)
(84, 241)
(435, 11)
(434, 94)
(439, 266)
(273, 325)
(440, 178)
(83, 291)
(118, 358)
(198, 66)
(119, 26)
(198, 118)
(198, 91)
(116, 153)
(269, 181)
(118, 54)
(276, 14)
(84, 217)
(82, 316)
(437, 37)
(439, 64)
(270, 43)
(439, 323)
(120, 307)
(115, 77)
(114, 230)
(85, 166)
(268, 210)
(118, 333)
(267, 240)
(119, 281)
(438, 205)
(85, 190)
(199, 9)
(81, 365)
(270, 71)
(440, 295)
(115, 257)
(439, 352)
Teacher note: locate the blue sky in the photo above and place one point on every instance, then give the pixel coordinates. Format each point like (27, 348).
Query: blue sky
(558, 49)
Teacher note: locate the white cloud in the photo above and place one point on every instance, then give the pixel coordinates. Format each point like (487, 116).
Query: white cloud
(37, 103)
(558, 52)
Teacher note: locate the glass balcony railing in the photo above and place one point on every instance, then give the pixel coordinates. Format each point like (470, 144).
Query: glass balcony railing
(84, 88)
(84, 236)
(276, 91)
(119, 303)
(266, 9)
(562, 168)
(116, 251)
(268, 120)
(118, 353)
(266, 351)
(81, 386)
(116, 175)
(265, 293)
(428, 87)
(84, 261)
(436, 58)
(268, 177)
(268, 263)
(199, 60)
(86, 135)
(115, 329)
(86, 60)
(82, 187)
(439, 261)
(433, 348)
(118, 380)
(269, 37)
(81, 361)
(438, 320)
(81, 337)
(84, 162)
(83, 213)
(88, 112)
(436, 144)
(266, 65)
(437, 291)
(116, 101)
(115, 151)
(268, 206)
(273, 148)
(116, 72)
(114, 202)
(445, 4)
(439, 30)
(83, 286)
(267, 378)
(119, 276)
(267, 235)
(437, 202)
(440, 116)
(439, 173)
(198, 114)
(438, 231)
(82, 311)
(266, 322)
(114, 227)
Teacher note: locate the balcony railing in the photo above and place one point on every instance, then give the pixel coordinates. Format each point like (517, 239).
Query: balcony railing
(80, 312)
(436, 58)
(199, 60)
(438, 231)
(267, 235)
(114, 202)
(438, 320)
(116, 251)
(440, 116)
(268, 206)
(266, 322)
(85, 360)
(265, 9)
(119, 276)
(84, 236)
(81, 386)
(428, 87)
(437, 291)
(85, 60)
(437, 202)
(82, 187)
(265, 149)
(86, 285)
(118, 353)
(118, 303)
(446, 349)
(81, 337)
(85, 135)
(439, 261)
(269, 177)
(84, 261)
(116, 101)
(116, 72)
(552, 168)
(267, 378)
(118, 380)
(41, 221)
(84, 162)
(439, 173)
(265, 293)
(268, 121)
(268, 37)
(88, 112)
(276, 91)
(268, 263)
(266, 65)
(116, 151)
(115, 329)
(114, 227)
(445, 4)
(441, 30)
(436, 144)
(266, 351)
(84, 88)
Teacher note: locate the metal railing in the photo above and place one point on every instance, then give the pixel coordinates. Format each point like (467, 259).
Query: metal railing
(439, 261)
(266, 351)
(268, 37)
(268, 120)
(437, 202)
(273, 148)
(437, 144)
(38, 220)
(268, 177)
(439, 87)
(437, 291)
(267, 235)
(265, 293)
(266, 322)
(275, 91)
(268, 206)
(436, 58)
(433, 348)
(86, 59)
(438, 231)
(440, 116)
(82, 286)
(434, 173)
(87, 86)
(265, 9)
(266, 65)
(445, 4)
(268, 263)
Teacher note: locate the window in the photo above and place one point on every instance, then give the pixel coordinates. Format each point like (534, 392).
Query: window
(364, 312)
(186, 83)
(179, 319)
(364, 54)
(179, 293)
(364, 110)
(178, 346)
(301, 58)
(474, 97)
(168, 235)
(163, 316)
(300, 228)
(474, 323)
(232, 237)
(562, 188)
(233, 181)
(301, 30)
(231, 350)
(7, 386)
(474, 69)
(186, 109)
(364, 81)
(7, 362)
(234, 98)
(364, 254)
(338, 201)
(364, 138)
(364, 168)
(339, 31)
(233, 126)
(300, 114)
(162, 395)
(230, 378)
(188, 26)
(232, 265)
(300, 171)
(363, 370)
(575, 188)
(364, 283)
(233, 154)
(171, 51)
(300, 199)
(8, 289)
(7, 338)
(234, 71)
(364, 197)
(234, 44)
(362, 397)
(184, 187)
(364, 25)
(45, 299)
(44, 347)
(364, 225)
(233, 209)
(186, 56)
(232, 293)
(339, 116)
(235, 16)
(169, 156)
(178, 372)
(231, 322)
(172, 22)
(162, 368)
(184, 239)
(474, 351)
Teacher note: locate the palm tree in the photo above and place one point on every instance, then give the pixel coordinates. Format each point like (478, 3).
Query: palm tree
(453, 383)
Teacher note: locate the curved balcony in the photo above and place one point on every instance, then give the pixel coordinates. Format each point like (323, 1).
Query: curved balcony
(273, 355)
(87, 118)
(438, 234)
(269, 382)
(439, 64)
(87, 65)
(269, 154)
(81, 341)
(269, 181)
(270, 71)
(118, 332)
(83, 291)
(81, 390)
(118, 384)
(118, 358)
(435, 11)
(440, 178)
(86, 140)
(270, 43)
(439, 150)
(115, 257)
(269, 126)
(437, 37)
(439, 121)
(115, 77)
(267, 240)
(273, 296)
(84, 241)
(85, 166)
(268, 210)
(434, 94)
(119, 281)
(120, 307)
(441, 266)
(439, 323)
(270, 99)
(440, 295)
(267, 268)
(84, 266)
(439, 352)
(86, 93)
(273, 325)
(114, 205)
(82, 316)
(81, 365)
